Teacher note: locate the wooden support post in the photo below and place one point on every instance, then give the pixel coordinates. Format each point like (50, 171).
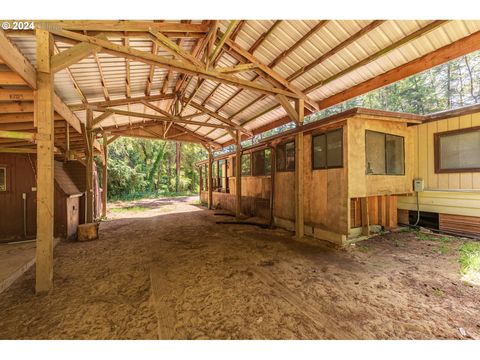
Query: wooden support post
(89, 170)
(104, 175)
(299, 218)
(299, 222)
(45, 167)
(210, 180)
(67, 141)
(238, 175)
(365, 216)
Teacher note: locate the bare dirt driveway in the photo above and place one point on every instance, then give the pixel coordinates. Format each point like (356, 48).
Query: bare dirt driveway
(164, 269)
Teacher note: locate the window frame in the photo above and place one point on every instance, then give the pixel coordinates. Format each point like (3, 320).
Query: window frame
(284, 145)
(436, 150)
(5, 171)
(385, 153)
(326, 150)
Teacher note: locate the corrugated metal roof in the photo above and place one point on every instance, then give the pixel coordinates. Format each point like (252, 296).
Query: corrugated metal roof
(243, 107)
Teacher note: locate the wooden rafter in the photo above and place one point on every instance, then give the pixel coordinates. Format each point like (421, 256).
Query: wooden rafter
(177, 65)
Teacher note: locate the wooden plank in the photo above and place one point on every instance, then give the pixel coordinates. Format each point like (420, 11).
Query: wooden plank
(16, 95)
(17, 135)
(449, 52)
(16, 107)
(126, 26)
(365, 216)
(45, 165)
(18, 150)
(163, 41)
(299, 186)
(460, 224)
(16, 61)
(225, 36)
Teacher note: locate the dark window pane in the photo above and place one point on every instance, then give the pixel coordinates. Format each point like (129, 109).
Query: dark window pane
(281, 157)
(268, 161)
(334, 148)
(290, 156)
(460, 151)
(258, 163)
(375, 152)
(394, 155)
(246, 164)
(319, 152)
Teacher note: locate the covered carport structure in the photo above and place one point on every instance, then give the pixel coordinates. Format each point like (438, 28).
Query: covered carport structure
(68, 84)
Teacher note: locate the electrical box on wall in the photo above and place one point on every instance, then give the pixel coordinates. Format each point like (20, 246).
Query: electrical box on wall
(418, 185)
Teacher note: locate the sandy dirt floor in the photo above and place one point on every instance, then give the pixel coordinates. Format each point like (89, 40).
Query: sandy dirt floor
(164, 269)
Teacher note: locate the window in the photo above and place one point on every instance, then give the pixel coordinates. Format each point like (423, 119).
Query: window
(3, 179)
(261, 162)
(384, 154)
(286, 157)
(327, 150)
(458, 151)
(246, 170)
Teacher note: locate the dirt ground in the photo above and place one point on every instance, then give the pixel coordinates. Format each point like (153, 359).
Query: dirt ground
(164, 269)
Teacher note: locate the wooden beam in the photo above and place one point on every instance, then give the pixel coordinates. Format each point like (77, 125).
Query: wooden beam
(282, 100)
(163, 41)
(17, 135)
(238, 174)
(16, 61)
(66, 113)
(210, 179)
(225, 36)
(16, 95)
(112, 139)
(236, 68)
(219, 117)
(449, 52)
(98, 120)
(167, 117)
(267, 70)
(45, 165)
(104, 175)
(415, 35)
(89, 171)
(120, 102)
(74, 54)
(125, 26)
(373, 25)
(177, 65)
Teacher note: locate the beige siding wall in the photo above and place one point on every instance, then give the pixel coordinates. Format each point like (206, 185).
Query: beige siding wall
(452, 193)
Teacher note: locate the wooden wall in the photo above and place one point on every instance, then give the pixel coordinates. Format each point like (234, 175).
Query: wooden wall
(20, 179)
(363, 185)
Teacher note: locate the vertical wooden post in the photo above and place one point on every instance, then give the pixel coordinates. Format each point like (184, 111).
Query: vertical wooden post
(104, 175)
(89, 170)
(45, 168)
(299, 218)
(67, 141)
(238, 174)
(210, 180)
